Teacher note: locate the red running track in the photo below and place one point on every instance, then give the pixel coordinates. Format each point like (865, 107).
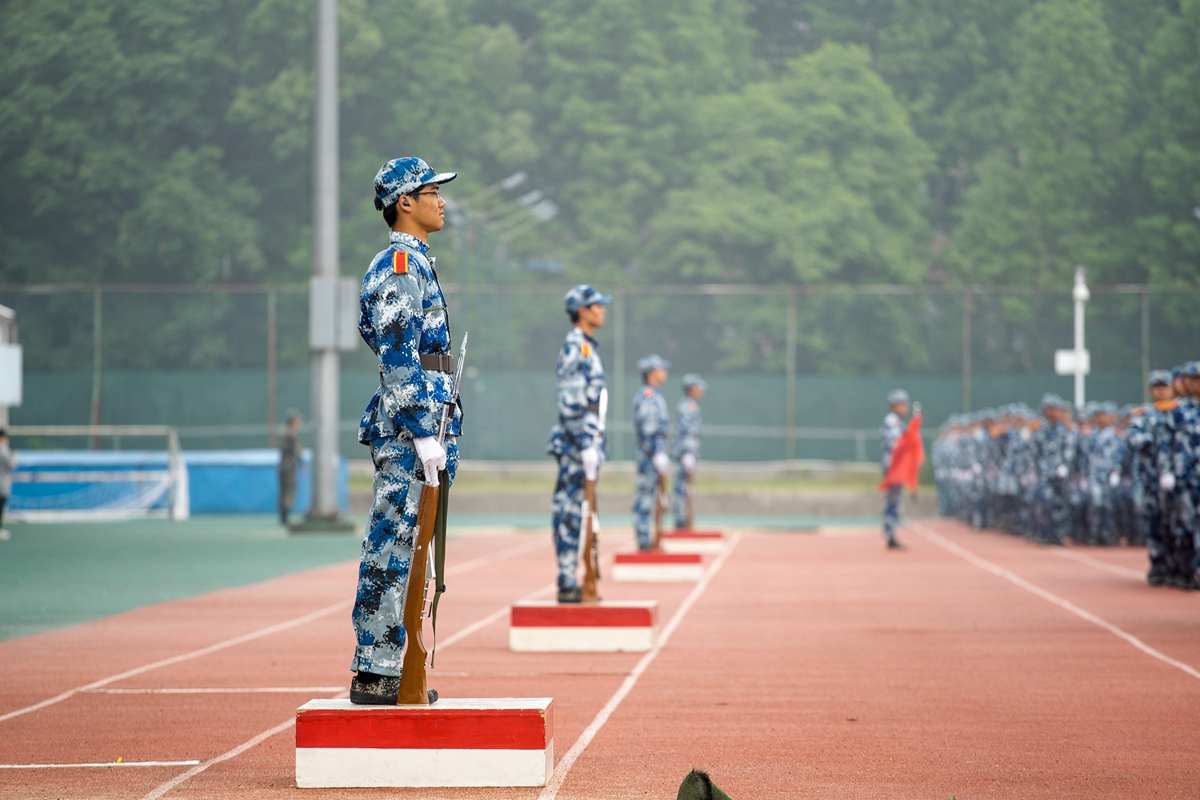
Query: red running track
(970, 665)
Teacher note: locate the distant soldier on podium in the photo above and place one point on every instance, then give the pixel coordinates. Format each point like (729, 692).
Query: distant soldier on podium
(577, 438)
(685, 448)
(652, 423)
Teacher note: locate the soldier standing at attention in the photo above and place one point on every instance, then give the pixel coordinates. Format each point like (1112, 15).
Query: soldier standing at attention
(652, 423)
(577, 438)
(1144, 434)
(404, 322)
(889, 434)
(686, 447)
(289, 463)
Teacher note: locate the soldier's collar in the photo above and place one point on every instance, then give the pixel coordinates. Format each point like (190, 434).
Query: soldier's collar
(409, 241)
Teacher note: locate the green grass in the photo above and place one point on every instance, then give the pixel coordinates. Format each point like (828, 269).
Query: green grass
(58, 574)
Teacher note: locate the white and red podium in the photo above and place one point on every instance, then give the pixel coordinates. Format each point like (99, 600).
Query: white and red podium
(688, 541)
(657, 567)
(454, 742)
(605, 627)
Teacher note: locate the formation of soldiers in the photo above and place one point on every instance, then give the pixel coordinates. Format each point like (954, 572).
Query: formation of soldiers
(1097, 475)
(577, 437)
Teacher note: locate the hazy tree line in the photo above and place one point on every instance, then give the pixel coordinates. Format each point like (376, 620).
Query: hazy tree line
(765, 141)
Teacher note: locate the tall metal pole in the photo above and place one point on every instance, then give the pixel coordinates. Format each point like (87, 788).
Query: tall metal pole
(97, 355)
(325, 256)
(1080, 295)
(790, 377)
(618, 401)
(1145, 343)
(966, 349)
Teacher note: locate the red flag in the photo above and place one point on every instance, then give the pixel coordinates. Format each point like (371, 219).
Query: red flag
(907, 457)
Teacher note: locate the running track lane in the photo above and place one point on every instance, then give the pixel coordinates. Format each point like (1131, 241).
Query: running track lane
(829, 667)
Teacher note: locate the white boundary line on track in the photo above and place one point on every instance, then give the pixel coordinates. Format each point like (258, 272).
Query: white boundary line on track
(550, 792)
(1017, 580)
(226, 690)
(101, 764)
(1115, 569)
(249, 637)
(283, 726)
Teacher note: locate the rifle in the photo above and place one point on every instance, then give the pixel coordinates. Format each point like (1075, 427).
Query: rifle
(660, 502)
(431, 511)
(689, 494)
(589, 549)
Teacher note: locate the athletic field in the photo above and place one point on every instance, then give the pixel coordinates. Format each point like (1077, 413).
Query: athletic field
(805, 664)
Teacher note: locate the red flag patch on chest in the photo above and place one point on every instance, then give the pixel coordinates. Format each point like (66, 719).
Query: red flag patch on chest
(586, 349)
(400, 262)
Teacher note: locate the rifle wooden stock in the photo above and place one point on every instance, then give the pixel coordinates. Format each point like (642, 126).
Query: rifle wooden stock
(590, 554)
(413, 688)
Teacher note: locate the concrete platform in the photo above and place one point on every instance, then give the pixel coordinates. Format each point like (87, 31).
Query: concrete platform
(607, 627)
(455, 742)
(657, 567)
(689, 541)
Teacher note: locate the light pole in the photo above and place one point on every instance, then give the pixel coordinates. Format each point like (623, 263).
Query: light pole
(324, 305)
(1078, 361)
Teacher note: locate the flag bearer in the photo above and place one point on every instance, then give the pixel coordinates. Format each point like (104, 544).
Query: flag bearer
(652, 422)
(577, 438)
(403, 320)
(686, 446)
(889, 435)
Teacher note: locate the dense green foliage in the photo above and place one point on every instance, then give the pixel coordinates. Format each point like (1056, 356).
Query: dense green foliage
(764, 141)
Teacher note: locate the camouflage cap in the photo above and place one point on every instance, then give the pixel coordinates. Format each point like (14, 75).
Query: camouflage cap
(1051, 400)
(582, 296)
(692, 380)
(897, 396)
(1159, 377)
(1191, 370)
(402, 176)
(652, 361)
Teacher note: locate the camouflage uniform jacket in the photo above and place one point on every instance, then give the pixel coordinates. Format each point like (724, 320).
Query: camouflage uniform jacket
(687, 428)
(403, 317)
(651, 421)
(889, 434)
(580, 376)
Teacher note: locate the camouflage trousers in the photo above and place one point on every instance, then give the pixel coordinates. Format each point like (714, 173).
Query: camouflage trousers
(645, 491)
(1052, 512)
(1160, 545)
(387, 554)
(679, 504)
(565, 517)
(891, 511)
(287, 489)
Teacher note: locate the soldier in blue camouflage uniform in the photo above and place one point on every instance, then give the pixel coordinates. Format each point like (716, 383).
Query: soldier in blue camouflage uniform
(652, 423)
(889, 434)
(685, 448)
(1102, 447)
(577, 438)
(1057, 444)
(1185, 452)
(1146, 436)
(404, 322)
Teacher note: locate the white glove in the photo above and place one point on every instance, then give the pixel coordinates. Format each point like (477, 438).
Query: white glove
(1114, 479)
(661, 463)
(432, 455)
(590, 457)
(688, 462)
(1061, 470)
(1166, 481)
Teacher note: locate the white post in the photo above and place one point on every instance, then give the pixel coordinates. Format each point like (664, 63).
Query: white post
(1080, 294)
(325, 261)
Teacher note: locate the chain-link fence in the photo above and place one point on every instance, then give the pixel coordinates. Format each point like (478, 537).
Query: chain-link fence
(794, 371)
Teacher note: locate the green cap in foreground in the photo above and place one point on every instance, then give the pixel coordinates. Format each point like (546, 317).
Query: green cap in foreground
(698, 786)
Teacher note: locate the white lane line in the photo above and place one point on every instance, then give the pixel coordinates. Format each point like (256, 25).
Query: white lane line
(102, 764)
(550, 792)
(1115, 569)
(234, 753)
(502, 555)
(225, 690)
(283, 726)
(166, 662)
(1017, 580)
(249, 637)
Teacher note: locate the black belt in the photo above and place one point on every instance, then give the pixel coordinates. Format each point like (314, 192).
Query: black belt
(594, 408)
(438, 363)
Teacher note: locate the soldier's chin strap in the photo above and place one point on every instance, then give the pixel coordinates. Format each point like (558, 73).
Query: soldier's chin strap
(439, 557)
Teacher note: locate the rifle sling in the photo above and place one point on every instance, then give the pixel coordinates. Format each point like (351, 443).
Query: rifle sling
(439, 556)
